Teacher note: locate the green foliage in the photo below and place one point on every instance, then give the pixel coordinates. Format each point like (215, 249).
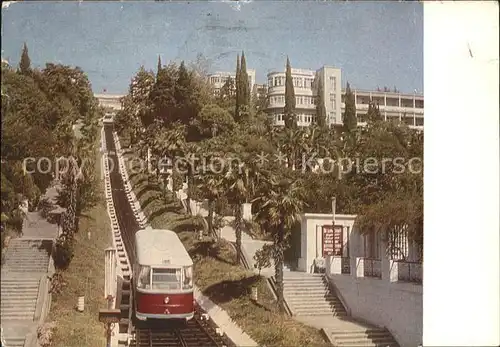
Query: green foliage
(227, 93)
(373, 113)
(63, 253)
(213, 120)
(42, 108)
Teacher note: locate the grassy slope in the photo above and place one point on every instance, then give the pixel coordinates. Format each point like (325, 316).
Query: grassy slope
(228, 285)
(85, 276)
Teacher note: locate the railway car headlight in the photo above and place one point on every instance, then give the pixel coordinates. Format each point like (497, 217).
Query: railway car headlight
(166, 300)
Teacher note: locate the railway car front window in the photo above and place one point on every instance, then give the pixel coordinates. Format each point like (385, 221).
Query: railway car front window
(167, 279)
(188, 278)
(144, 278)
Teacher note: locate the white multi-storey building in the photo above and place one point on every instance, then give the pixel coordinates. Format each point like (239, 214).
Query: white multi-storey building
(305, 84)
(218, 79)
(407, 108)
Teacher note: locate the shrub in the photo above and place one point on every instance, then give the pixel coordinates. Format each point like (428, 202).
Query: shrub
(44, 334)
(63, 253)
(263, 257)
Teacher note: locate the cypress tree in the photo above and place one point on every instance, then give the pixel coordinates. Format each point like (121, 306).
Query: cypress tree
(245, 86)
(159, 66)
(373, 114)
(349, 116)
(25, 63)
(320, 105)
(289, 111)
(238, 88)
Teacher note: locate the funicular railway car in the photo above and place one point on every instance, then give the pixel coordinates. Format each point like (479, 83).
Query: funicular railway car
(162, 276)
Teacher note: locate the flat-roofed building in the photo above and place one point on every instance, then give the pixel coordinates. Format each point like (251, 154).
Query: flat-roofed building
(407, 108)
(218, 79)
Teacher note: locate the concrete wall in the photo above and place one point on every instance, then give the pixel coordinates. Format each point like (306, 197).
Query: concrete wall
(311, 236)
(395, 306)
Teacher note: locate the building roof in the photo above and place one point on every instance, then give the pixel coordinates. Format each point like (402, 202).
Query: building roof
(160, 247)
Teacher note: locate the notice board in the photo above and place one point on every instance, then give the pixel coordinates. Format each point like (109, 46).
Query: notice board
(332, 240)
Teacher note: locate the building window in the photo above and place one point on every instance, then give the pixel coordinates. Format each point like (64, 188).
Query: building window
(333, 82)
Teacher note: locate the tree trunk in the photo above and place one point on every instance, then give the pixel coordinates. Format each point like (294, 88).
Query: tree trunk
(238, 216)
(278, 266)
(210, 216)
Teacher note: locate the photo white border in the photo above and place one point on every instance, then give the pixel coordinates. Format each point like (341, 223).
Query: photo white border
(461, 174)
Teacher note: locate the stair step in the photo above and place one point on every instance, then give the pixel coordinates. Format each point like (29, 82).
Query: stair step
(24, 303)
(14, 342)
(307, 294)
(320, 314)
(306, 307)
(18, 315)
(22, 285)
(367, 344)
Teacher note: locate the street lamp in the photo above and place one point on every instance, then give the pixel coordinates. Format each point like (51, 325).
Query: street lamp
(109, 317)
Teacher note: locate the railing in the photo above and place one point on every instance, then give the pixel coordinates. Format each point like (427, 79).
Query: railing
(409, 271)
(346, 265)
(372, 267)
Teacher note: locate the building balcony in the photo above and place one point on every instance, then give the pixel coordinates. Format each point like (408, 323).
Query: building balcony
(297, 106)
(392, 109)
(278, 90)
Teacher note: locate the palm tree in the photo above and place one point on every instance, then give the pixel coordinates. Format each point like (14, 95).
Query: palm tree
(236, 183)
(280, 206)
(191, 151)
(211, 188)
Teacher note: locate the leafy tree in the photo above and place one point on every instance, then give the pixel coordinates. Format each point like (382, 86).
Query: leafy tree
(289, 112)
(25, 63)
(213, 120)
(163, 96)
(226, 94)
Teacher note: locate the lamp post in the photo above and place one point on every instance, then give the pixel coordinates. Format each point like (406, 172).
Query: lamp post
(109, 317)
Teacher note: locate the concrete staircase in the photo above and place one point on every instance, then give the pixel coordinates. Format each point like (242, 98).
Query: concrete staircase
(309, 295)
(364, 337)
(25, 255)
(312, 302)
(24, 289)
(19, 298)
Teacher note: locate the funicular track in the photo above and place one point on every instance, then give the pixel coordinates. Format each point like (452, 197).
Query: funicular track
(197, 332)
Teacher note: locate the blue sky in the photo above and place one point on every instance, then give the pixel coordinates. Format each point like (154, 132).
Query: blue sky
(374, 43)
